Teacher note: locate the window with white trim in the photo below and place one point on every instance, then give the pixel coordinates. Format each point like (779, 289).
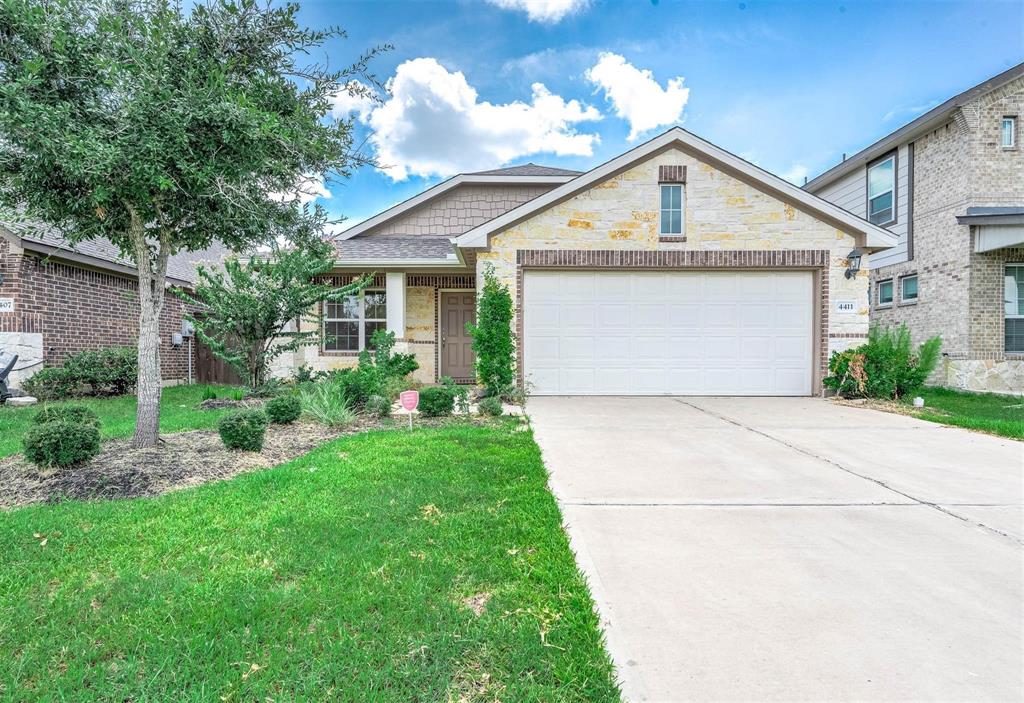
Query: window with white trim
(908, 289)
(349, 323)
(671, 210)
(1008, 133)
(882, 191)
(884, 292)
(1014, 302)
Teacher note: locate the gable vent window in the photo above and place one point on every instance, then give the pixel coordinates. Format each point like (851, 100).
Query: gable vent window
(882, 191)
(1008, 133)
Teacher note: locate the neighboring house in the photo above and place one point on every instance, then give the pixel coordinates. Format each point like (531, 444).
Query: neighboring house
(57, 299)
(950, 186)
(675, 268)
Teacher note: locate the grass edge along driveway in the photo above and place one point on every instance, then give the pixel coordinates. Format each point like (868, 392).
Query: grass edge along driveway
(388, 566)
(993, 413)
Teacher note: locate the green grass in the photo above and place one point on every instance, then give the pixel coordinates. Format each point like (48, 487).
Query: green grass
(339, 576)
(179, 411)
(998, 414)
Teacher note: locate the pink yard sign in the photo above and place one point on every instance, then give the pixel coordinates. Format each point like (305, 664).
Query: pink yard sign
(409, 399)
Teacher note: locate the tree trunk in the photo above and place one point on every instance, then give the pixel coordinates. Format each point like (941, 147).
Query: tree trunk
(152, 274)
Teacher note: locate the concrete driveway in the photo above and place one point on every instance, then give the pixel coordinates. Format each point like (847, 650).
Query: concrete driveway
(749, 549)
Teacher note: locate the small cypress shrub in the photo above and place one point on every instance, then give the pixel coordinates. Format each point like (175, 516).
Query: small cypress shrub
(78, 414)
(491, 405)
(61, 443)
(284, 409)
(436, 401)
(243, 429)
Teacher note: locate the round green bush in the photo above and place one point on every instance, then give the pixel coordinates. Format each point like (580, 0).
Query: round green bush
(79, 414)
(491, 405)
(243, 429)
(61, 443)
(378, 406)
(284, 409)
(436, 401)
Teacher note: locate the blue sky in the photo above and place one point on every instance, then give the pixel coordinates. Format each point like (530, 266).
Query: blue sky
(788, 85)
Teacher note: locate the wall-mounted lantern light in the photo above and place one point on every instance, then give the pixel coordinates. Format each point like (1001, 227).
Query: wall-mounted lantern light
(853, 263)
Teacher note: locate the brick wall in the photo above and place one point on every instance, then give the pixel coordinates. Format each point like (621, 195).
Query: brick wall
(77, 308)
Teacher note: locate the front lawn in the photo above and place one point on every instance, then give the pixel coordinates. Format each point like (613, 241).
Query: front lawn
(988, 412)
(388, 566)
(179, 411)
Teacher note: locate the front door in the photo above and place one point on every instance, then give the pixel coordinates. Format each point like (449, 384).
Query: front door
(457, 360)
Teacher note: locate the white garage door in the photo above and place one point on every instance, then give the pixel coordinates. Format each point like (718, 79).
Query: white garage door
(675, 333)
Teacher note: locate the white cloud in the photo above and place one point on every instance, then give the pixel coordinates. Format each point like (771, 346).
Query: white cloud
(545, 11)
(355, 98)
(434, 124)
(796, 174)
(636, 96)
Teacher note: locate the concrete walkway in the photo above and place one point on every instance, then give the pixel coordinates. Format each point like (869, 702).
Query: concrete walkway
(748, 549)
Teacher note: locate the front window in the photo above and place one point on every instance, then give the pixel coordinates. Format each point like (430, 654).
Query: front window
(1009, 132)
(908, 289)
(882, 191)
(672, 209)
(349, 324)
(1014, 301)
(885, 292)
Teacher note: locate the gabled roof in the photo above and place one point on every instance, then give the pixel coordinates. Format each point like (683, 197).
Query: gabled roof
(930, 120)
(530, 169)
(868, 235)
(102, 253)
(498, 177)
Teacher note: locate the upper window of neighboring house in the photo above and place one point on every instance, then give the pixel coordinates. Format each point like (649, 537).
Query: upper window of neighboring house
(885, 292)
(908, 289)
(671, 209)
(349, 324)
(1014, 297)
(1008, 133)
(882, 191)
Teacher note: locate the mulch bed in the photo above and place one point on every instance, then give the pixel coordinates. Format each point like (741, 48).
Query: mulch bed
(181, 461)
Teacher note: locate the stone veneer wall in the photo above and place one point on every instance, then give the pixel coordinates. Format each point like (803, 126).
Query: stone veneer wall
(421, 296)
(460, 209)
(960, 293)
(62, 309)
(722, 213)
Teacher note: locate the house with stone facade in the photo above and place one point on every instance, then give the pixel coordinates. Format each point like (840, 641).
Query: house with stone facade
(674, 268)
(950, 187)
(59, 298)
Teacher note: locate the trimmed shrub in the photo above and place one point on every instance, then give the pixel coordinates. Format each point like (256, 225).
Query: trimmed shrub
(78, 414)
(886, 367)
(104, 372)
(436, 401)
(459, 394)
(378, 406)
(491, 405)
(284, 409)
(492, 336)
(61, 443)
(243, 429)
(51, 384)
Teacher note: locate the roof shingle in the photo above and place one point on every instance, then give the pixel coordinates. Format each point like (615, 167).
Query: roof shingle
(530, 169)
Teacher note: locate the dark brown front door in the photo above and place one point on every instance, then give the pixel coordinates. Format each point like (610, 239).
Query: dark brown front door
(457, 360)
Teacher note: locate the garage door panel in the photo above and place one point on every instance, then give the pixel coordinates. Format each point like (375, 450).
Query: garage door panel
(699, 333)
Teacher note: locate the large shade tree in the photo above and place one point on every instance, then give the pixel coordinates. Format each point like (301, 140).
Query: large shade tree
(163, 128)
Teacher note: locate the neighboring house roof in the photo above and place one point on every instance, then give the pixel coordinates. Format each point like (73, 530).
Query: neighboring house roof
(935, 117)
(530, 169)
(1000, 215)
(497, 177)
(102, 253)
(413, 250)
(868, 235)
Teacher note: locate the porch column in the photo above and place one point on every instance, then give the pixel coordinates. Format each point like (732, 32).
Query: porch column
(395, 290)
